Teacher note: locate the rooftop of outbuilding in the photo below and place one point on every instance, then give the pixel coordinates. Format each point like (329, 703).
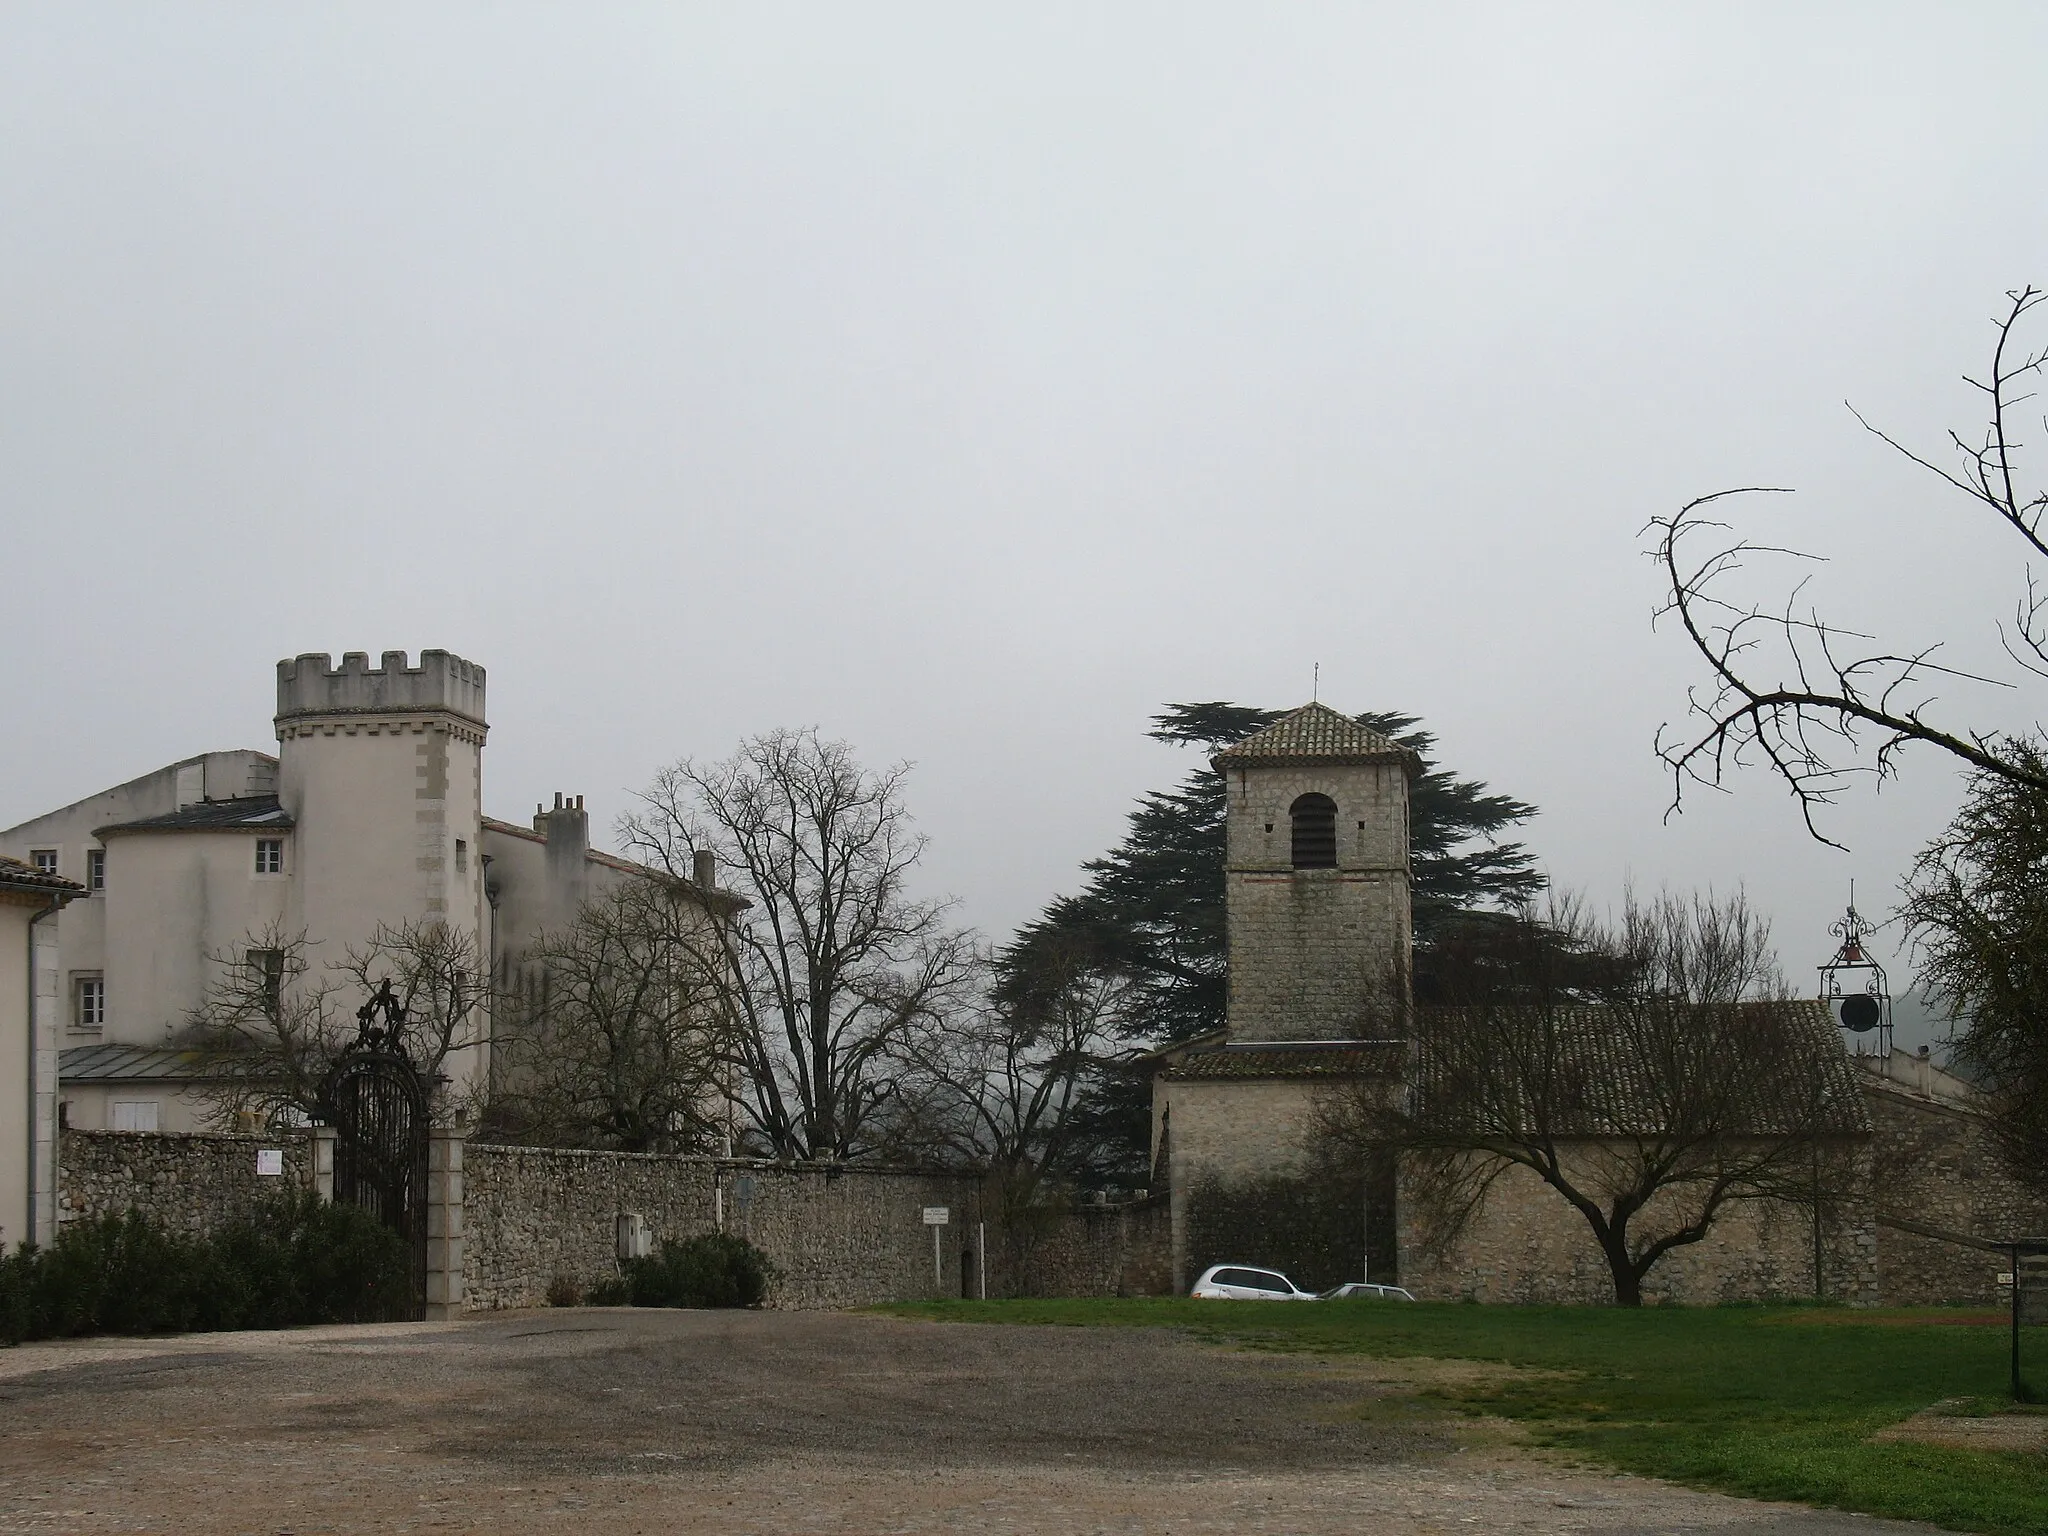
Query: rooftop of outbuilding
(255, 813)
(1241, 1060)
(17, 876)
(136, 1064)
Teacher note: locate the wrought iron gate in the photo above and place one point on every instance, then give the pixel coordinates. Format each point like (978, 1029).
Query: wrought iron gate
(376, 1101)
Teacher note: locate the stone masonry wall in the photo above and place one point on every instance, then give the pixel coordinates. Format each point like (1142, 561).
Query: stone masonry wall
(188, 1183)
(839, 1236)
(1934, 1166)
(1123, 1249)
(1313, 951)
(1527, 1245)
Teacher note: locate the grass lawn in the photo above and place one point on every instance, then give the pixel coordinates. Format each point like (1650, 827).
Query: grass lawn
(1773, 1402)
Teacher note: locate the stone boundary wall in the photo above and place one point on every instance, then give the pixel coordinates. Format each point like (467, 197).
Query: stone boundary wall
(1934, 1165)
(1526, 1245)
(839, 1236)
(191, 1183)
(1124, 1249)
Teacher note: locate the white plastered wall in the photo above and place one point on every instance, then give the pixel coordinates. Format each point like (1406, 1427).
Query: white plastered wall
(173, 899)
(380, 805)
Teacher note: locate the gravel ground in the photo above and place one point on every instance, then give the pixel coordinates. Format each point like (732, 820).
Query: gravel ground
(766, 1424)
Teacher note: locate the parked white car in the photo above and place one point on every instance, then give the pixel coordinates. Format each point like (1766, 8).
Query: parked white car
(1237, 1282)
(1359, 1290)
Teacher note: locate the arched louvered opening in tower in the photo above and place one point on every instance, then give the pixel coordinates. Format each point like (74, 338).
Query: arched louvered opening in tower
(1315, 832)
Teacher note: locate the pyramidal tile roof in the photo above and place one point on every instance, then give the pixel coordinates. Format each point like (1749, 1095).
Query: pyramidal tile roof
(1316, 733)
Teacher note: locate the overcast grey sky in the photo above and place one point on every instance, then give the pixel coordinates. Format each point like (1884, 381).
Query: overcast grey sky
(970, 382)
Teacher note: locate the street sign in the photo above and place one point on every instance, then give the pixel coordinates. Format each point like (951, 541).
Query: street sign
(937, 1215)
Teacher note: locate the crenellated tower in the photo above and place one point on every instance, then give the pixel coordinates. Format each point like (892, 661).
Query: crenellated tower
(381, 770)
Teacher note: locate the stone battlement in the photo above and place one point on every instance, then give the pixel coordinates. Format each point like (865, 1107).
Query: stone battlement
(312, 685)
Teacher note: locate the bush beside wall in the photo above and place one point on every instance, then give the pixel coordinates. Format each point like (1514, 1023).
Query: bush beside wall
(288, 1260)
(711, 1270)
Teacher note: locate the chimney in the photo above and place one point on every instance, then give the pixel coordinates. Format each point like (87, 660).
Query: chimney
(567, 828)
(704, 868)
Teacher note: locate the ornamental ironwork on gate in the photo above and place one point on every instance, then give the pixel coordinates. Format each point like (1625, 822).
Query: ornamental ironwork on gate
(376, 1100)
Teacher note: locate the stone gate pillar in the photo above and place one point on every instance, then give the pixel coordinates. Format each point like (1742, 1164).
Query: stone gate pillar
(444, 1226)
(320, 1161)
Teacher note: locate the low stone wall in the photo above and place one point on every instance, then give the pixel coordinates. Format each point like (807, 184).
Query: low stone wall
(190, 1183)
(1124, 1249)
(839, 1236)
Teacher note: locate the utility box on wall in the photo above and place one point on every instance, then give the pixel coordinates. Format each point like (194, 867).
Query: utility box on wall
(636, 1237)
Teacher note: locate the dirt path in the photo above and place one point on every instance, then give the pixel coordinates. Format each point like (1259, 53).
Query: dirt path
(766, 1424)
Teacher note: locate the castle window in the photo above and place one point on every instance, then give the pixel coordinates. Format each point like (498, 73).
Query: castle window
(45, 861)
(266, 973)
(95, 869)
(269, 855)
(1315, 832)
(135, 1115)
(89, 994)
(461, 856)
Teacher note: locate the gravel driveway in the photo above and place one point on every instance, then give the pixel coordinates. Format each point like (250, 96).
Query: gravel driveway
(762, 1424)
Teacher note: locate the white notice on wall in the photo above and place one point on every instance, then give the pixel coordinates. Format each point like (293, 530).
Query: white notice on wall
(937, 1215)
(270, 1162)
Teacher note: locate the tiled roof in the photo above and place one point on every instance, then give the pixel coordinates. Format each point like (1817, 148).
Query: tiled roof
(135, 1063)
(1602, 1064)
(1316, 733)
(15, 875)
(256, 813)
(1291, 1058)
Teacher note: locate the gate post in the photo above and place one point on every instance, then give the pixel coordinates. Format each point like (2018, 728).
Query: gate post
(444, 1226)
(320, 1141)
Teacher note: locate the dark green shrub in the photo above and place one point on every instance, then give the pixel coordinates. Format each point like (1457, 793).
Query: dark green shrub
(299, 1259)
(563, 1291)
(714, 1270)
(292, 1259)
(124, 1274)
(612, 1291)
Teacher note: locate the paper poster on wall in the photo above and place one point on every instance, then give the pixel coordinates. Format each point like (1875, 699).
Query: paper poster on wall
(270, 1162)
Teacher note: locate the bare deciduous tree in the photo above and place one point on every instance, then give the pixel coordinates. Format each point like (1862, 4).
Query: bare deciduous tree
(615, 1036)
(271, 1025)
(1004, 1083)
(1805, 695)
(837, 962)
(1977, 907)
(1651, 1112)
(276, 1025)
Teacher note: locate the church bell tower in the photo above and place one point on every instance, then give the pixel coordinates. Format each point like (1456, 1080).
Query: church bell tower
(1317, 878)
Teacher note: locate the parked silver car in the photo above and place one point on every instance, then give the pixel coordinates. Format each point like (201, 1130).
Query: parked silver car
(1352, 1290)
(1239, 1282)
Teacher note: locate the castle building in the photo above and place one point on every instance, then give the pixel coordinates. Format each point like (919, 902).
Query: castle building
(369, 815)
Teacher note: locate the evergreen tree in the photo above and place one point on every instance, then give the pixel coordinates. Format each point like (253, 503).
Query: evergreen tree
(1152, 907)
